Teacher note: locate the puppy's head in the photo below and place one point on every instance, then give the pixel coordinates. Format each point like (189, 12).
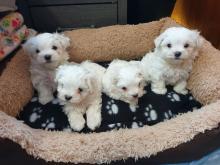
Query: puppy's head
(130, 82)
(178, 43)
(74, 83)
(48, 49)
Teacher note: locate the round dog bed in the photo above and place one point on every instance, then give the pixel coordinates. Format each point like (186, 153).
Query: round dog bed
(104, 44)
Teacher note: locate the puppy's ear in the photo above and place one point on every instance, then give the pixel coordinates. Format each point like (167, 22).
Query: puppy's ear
(28, 46)
(62, 40)
(158, 41)
(59, 73)
(198, 38)
(115, 80)
(91, 82)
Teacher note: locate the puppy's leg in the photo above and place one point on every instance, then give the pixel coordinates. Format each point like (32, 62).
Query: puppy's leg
(159, 87)
(45, 94)
(75, 118)
(180, 87)
(93, 115)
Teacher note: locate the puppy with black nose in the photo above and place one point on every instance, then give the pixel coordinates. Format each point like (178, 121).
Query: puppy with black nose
(79, 88)
(124, 80)
(47, 51)
(172, 60)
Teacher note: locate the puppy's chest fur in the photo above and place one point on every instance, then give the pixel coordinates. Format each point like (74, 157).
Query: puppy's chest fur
(42, 75)
(172, 74)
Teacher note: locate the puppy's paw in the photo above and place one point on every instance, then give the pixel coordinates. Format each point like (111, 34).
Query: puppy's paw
(160, 91)
(94, 121)
(44, 99)
(181, 91)
(77, 124)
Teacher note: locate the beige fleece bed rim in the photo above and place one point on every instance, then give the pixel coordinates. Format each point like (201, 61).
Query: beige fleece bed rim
(114, 145)
(204, 83)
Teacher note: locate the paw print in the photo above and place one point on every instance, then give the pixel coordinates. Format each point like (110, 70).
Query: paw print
(35, 115)
(133, 108)
(195, 108)
(168, 114)
(190, 98)
(150, 113)
(173, 97)
(116, 126)
(67, 129)
(112, 107)
(49, 124)
(34, 99)
(137, 124)
(55, 101)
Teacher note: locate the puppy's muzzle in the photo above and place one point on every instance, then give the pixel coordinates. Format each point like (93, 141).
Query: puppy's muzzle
(135, 96)
(47, 57)
(68, 97)
(177, 54)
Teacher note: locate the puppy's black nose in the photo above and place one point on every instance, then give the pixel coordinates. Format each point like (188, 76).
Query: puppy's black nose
(135, 96)
(47, 57)
(178, 54)
(68, 97)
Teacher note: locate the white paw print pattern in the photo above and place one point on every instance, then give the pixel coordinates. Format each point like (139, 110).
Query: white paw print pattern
(190, 98)
(67, 129)
(133, 108)
(150, 113)
(55, 101)
(34, 99)
(137, 124)
(112, 107)
(168, 114)
(49, 124)
(115, 125)
(173, 97)
(35, 115)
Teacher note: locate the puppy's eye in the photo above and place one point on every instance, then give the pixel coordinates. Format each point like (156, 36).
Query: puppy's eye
(169, 45)
(54, 47)
(186, 45)
(124, 88)
(37, 51)
(80, 90)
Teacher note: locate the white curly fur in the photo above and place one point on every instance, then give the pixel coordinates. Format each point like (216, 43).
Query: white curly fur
(42, 70)
(79, 87)
(124, 81)
(172, 59)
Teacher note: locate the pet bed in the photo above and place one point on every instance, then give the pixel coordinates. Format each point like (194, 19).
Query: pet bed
(104, 44)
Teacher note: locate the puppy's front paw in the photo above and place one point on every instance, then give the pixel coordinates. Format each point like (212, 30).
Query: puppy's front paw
(77, 124)
(94, 121)
(44, 99)
(160, 91)
(181, 91)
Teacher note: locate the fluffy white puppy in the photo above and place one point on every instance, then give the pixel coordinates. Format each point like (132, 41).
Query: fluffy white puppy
(79, 87)
(47, 51)
(124, 81)
(172, 59)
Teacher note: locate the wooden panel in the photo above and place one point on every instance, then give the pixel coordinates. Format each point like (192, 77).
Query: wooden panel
(200, 14)
(73, 16)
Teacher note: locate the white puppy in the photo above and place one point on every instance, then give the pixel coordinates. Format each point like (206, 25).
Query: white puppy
(172, 59)
(47, 51)
(124, 81)
(79, 87)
